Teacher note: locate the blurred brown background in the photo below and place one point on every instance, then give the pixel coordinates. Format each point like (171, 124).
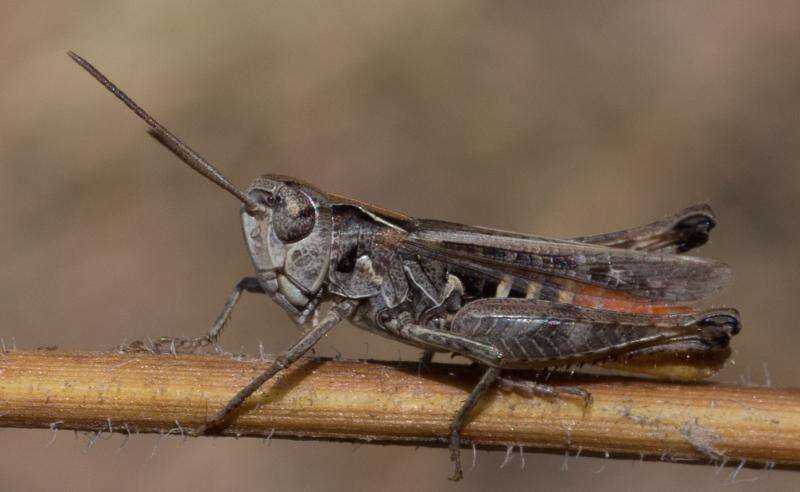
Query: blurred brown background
(562, 120)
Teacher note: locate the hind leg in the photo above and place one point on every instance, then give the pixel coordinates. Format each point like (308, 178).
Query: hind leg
(532, 388)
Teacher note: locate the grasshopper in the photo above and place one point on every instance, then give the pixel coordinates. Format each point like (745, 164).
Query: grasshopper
(503, 300)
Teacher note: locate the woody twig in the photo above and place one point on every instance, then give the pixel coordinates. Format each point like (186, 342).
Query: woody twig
(394, 402)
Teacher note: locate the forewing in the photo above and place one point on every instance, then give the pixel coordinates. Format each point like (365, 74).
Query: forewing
(654, 276)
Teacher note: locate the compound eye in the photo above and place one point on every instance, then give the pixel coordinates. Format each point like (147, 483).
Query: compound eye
(293, 214)
(272, 200)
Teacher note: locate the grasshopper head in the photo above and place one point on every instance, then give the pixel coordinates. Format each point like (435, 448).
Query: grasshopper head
(287, 224)
(290, 243)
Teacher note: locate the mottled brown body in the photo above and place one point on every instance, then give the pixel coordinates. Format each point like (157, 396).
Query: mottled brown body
(502, 299)
(540, 320)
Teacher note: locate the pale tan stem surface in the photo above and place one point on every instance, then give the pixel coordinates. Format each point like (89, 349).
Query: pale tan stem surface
(391, 402)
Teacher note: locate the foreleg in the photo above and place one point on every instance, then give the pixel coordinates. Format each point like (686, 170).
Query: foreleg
(190, 345)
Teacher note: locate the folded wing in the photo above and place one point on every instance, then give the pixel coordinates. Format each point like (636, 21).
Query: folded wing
(655, 276)
(678, 233)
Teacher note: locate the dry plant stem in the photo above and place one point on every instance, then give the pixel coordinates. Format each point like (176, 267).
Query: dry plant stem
(391, 402)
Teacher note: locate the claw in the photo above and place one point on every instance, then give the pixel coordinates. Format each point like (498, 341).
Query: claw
(137, 346)
(579, 392)
(198, 431)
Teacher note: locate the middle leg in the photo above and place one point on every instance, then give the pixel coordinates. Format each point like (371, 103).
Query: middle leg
(457, 424)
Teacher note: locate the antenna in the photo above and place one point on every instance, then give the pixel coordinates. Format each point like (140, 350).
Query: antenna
(173, 143)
